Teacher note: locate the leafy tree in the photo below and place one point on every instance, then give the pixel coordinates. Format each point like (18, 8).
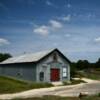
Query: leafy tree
(80, 65)
(4, 56)
(83, 65)
(97, 64)
(73, 69)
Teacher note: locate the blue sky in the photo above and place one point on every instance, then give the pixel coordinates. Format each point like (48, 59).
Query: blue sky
(73, 26)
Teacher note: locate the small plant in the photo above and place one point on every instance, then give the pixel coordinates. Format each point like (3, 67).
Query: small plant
(72, 82)
(99, 94)
(66, 82)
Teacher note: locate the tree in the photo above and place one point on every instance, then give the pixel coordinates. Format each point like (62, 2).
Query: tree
(82, 64)
(73, 69)
(4, 56)
(97, 64)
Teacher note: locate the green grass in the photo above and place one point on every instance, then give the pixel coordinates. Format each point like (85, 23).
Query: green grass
(95, 75)
(91, 98)
(62, 98)
(51, 98)
(10, 85)
(73, 82)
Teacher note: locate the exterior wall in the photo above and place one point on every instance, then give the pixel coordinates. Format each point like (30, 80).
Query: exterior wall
(48, 63)
(20, 71)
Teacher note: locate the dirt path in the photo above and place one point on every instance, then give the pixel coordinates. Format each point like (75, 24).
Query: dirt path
(92, 87)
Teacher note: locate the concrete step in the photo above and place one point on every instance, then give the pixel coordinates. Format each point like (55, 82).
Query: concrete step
(57, 83)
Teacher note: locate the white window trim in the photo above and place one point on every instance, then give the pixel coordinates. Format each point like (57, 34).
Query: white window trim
(64, 72)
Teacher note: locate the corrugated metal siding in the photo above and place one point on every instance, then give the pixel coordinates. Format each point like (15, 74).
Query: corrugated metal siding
(21, 71)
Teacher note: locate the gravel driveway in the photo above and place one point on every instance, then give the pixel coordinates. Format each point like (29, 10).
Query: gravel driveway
(92, 87)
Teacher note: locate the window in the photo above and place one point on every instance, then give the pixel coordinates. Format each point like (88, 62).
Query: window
(41, 76)
(64, 72)
(20, 72)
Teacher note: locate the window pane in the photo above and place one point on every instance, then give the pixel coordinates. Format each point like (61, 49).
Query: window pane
(64, 70)
(41, 76)
(64, 74)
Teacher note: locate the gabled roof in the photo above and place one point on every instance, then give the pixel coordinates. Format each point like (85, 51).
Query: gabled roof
(33, 57)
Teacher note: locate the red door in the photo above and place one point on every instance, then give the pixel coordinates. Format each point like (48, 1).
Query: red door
(55, 74)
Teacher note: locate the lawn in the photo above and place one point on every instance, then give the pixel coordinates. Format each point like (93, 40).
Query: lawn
(95, 74)
(51, 98)
(62, 98)
(73, 82)
(10, 85)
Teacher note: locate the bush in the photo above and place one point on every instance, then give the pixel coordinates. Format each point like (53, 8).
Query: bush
(66, 82)
(72, 82)
(99, 94)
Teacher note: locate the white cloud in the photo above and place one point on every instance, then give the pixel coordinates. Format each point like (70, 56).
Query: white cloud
(55, 44)
(42, 30)
(66, 18)
(68, 5)
(67, 35)
(97, 39)
(3, 42)
(49, 3)
(90, 15)
(55, 24)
